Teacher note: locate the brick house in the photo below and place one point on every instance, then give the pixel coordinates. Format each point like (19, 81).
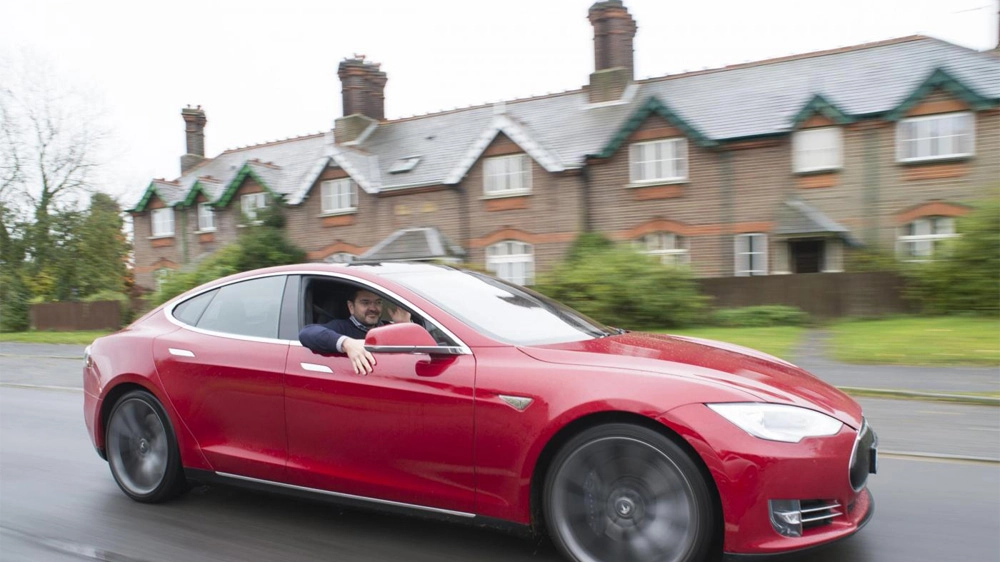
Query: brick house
(772, 167)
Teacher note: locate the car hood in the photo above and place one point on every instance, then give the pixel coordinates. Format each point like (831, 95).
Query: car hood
(761, 375)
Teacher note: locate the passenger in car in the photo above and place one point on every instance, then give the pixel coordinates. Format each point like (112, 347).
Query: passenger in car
(347, 335)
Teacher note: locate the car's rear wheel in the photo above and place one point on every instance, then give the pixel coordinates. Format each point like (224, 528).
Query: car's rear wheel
(620, 493)
(142, 450)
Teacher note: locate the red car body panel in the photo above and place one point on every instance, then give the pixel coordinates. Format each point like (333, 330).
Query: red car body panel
(402, 433)
(231, 395)
(434, 430)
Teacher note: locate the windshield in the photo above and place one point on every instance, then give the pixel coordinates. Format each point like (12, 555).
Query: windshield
(501, 310)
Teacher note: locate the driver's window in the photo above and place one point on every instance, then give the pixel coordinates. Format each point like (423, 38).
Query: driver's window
(326, 299)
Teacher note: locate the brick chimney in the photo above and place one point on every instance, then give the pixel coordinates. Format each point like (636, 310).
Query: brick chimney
(194, 132)
(614, 30)
(363, 90)
(363, 87)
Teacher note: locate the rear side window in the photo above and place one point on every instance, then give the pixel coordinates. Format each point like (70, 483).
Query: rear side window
(247, 308)
(191, 310)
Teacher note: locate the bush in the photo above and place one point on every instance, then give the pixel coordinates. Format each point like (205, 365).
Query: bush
(626, 288)
(587, 244)
(965, 276)
(14, 303)
(259, 245)
(754, 316)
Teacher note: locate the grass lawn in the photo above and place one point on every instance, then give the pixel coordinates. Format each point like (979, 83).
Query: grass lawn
(78, 338)
(776, 340)
(943, 340)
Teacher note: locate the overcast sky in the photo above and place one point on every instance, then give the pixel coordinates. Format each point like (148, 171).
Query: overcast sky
(267, 70)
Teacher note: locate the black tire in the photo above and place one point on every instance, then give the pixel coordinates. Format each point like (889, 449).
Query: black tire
(624, 493)
(142, 449)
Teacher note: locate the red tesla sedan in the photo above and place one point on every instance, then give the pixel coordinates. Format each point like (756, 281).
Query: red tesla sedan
(495, 406)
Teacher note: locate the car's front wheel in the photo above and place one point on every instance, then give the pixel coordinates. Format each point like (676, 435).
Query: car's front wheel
(620, 493)
(142, 449)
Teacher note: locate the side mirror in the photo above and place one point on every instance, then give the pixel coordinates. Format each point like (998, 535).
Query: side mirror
(406, 334)
(406, 338)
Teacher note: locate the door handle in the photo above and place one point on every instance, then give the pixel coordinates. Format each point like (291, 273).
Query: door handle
(180, 352)
(316, 368)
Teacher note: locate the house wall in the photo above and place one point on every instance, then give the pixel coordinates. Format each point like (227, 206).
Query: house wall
(735, 188)
(550, 217)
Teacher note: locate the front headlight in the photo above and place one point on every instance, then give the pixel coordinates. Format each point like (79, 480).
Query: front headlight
(778, 422)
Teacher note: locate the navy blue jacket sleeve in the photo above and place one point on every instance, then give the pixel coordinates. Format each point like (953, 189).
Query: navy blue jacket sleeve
(319, 338)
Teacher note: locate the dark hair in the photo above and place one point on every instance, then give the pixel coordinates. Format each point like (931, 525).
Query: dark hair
(352, 294)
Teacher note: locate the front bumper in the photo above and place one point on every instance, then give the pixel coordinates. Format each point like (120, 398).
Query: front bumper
(749, 473)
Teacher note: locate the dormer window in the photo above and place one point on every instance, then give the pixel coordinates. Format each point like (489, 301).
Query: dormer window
(206, 218)
(251, 203)
(339, 196)
(507, 175)
(817, 150)
(950, 135)
(163, 222)
(658, 161)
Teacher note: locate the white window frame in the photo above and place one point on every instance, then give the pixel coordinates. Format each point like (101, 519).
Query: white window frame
(206, 218)
(930, 135)
(250, 203)
(507, 175)
(815, 150)
(930, 230)
(162, 222)
(750, 256)
(338, 196)
(669, 247)
(658, 161)
(512, 260)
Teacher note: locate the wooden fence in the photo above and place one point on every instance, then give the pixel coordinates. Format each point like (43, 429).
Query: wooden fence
(69, 316)
(823, 295)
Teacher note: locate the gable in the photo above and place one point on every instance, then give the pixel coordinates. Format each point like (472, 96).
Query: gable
(247, 180)
(939, 90)
(652, 107)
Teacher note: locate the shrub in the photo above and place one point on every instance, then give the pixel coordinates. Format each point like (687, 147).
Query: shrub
(587, 244)
(14, 303)
(965, 276)
(753, 316)
(626, 288)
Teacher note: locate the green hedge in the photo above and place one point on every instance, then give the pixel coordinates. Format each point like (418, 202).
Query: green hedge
(754, 316)
(965, 274)
(625, 288)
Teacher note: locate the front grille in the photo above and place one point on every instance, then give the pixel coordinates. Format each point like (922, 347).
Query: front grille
(861, 458)
(816, 513)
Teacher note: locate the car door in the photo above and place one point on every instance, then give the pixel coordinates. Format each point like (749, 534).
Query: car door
(223, 372)
(403, 433)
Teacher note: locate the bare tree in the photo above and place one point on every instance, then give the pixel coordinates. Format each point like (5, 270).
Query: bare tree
(51, 136)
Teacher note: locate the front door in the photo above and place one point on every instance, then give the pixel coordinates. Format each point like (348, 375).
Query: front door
(807, 255)
(402, 433)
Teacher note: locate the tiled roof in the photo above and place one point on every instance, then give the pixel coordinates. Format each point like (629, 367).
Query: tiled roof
(561, 130)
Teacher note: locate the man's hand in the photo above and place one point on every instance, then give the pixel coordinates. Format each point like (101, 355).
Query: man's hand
(398, 315)
(362, 361)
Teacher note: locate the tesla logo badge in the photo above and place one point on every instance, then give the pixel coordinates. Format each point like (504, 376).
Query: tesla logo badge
(519, 403)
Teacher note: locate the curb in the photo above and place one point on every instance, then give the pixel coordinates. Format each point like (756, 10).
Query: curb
(914, 395)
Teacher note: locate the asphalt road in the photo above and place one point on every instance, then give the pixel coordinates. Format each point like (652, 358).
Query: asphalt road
(58, 502)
